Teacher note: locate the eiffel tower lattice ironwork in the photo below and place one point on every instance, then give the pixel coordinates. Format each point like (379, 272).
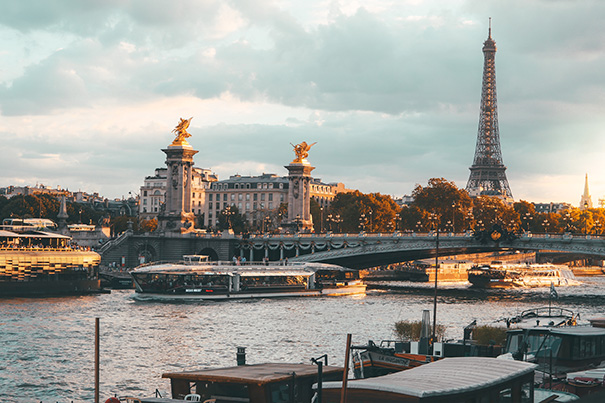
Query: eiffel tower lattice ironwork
(488, 175)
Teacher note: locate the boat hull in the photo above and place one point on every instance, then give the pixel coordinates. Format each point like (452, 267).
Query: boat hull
(201, 295)
(49, 288)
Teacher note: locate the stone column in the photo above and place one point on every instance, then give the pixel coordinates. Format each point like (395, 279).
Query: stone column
(176, 215)
(299, 196)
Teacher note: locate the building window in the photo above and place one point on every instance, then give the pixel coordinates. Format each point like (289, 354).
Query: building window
(210, 197)
(225, 197)
(240, 197)
(239, 206)
(262, 206)
(144, 201)
(255, 198)
(247, 196)
(281, 198)
(262, 197)
(247, 206)
(193, 195)
(270, 186)
(270, 196)
(270, 205)
(144, 193)
(247, 186)
(254, 205)
(259, 186)
(281, 185)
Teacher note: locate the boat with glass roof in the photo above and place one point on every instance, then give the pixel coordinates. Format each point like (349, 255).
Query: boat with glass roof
(197, 278)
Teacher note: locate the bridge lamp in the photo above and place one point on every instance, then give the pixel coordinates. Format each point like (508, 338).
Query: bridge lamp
(545, 224)
(597, 227)
(362, 221)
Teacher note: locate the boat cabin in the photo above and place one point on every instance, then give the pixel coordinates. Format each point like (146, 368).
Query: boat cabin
(463, 379)
(572, 347)
(260, 383)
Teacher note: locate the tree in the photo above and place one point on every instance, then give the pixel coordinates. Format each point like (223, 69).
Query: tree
(148, 225)
(230, 218)
(372, 212)
(446, 200)
(490, 210)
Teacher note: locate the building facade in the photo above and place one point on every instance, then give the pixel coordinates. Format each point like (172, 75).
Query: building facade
(258, 198)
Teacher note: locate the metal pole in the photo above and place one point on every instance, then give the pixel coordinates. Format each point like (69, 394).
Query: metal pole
(96, 360)
(436, 274)
(319, 380)
(343, 391)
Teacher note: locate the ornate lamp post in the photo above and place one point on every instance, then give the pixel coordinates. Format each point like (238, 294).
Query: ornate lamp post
(567, 220)
(362, 222)
(397, 221)
(371, 222)
(453, 216)
(545, 224)
(527, 218)
(337, 221)
(267, 222)
(228, 213)
(418, 226)
(597, 227)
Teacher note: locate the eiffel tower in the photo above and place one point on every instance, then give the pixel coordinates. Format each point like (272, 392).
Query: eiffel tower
(488, 175)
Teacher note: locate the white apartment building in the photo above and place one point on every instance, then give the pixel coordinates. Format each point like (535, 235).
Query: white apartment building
(259, 197)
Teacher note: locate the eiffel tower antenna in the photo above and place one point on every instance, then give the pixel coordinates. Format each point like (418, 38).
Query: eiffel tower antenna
(488, 175)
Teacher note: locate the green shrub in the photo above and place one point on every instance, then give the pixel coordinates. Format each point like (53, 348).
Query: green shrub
(489, 335)
(410, 331)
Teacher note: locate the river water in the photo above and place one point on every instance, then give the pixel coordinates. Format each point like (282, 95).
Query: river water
(47, 345)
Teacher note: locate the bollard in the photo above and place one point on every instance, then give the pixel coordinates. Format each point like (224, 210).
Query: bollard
(241, 356)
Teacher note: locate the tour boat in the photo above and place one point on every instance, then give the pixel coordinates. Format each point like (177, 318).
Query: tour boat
(196, 278)
(35, 263)
(521, 275)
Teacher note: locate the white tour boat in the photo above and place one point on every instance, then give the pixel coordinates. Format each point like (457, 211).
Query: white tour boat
(196, 278)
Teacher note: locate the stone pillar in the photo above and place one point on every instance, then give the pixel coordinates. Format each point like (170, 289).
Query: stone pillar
(299, 196)
(176, 215)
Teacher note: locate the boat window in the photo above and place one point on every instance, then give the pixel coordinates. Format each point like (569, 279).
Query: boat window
(280, 393)
(231, 392)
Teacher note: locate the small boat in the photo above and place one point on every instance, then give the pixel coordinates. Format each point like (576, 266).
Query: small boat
(462, 379)
(521, 275)
(197, 278)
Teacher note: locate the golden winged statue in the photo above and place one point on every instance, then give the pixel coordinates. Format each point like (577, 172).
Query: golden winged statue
(302, 151)
(181, 131)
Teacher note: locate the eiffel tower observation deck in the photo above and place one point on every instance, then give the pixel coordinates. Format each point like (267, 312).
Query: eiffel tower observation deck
(488, 175)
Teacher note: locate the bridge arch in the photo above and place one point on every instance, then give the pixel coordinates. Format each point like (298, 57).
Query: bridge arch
(211, 253)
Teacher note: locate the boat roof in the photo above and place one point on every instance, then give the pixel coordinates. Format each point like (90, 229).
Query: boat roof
(259, 374)
(444, 377)
(245, 269)
(568, 330)
(32, 234)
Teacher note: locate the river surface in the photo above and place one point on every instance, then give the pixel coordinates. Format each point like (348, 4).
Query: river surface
(47, 345)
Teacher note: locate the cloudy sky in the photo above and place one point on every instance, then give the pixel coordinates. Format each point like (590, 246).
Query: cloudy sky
(389, 90)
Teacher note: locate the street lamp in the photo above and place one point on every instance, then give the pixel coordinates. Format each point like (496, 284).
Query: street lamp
(567, 220)
(597, 227)
(435, 221)
(527, 218)
(80, 216)
(297, 220)
(418, 226)
(545, 224)
(267, 222)
(397, 221)
(362, 222)
(453, 216)
(585, 218)
(321, 220)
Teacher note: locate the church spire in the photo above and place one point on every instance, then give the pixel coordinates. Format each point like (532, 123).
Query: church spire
(586, 199)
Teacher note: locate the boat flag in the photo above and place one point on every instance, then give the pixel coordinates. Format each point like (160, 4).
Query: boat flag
(553, 292)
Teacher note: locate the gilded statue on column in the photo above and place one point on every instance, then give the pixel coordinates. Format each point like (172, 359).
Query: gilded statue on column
(181, 132)
(302, 151)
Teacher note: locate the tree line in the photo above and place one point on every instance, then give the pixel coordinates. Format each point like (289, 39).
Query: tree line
(439, 204)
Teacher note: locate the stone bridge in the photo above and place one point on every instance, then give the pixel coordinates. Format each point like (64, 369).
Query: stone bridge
(361, 251)
(356, 251)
